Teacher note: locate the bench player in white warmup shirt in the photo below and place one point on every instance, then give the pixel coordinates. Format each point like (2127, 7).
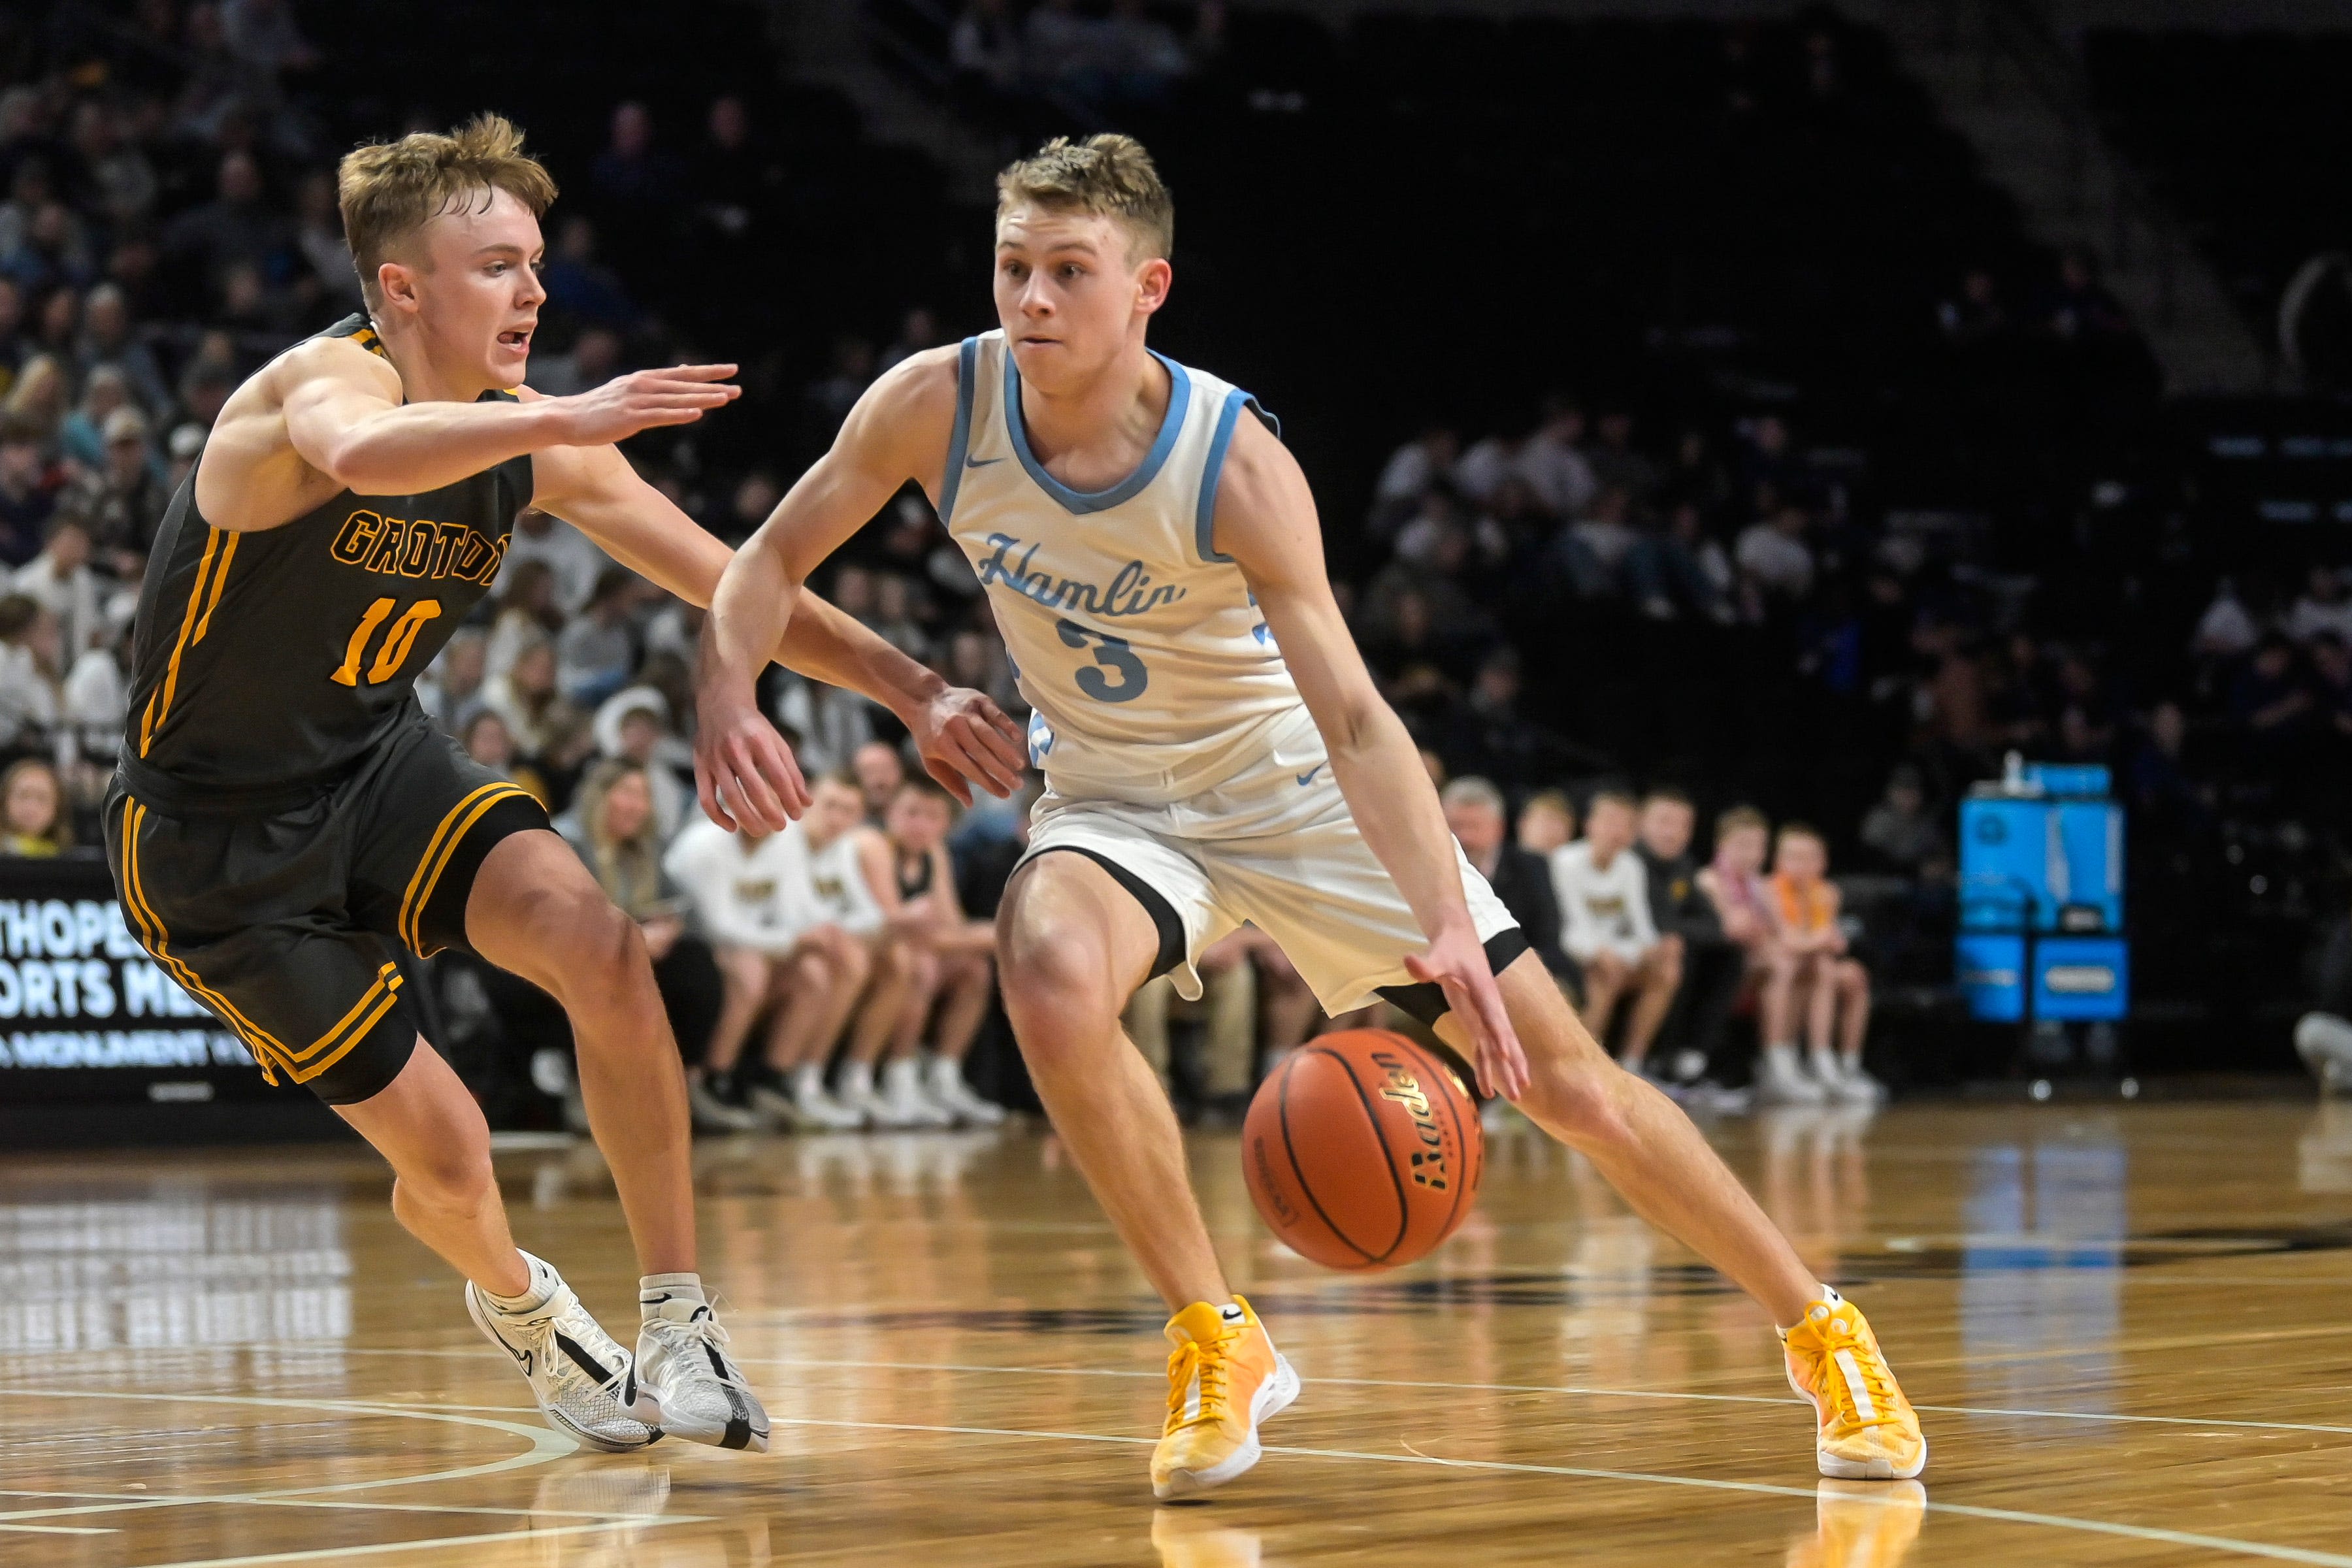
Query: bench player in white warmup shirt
(1213, 751)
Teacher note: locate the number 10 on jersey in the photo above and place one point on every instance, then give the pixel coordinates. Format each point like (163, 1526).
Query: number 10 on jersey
(397, 641)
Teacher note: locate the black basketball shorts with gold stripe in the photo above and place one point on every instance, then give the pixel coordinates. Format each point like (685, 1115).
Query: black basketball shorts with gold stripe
(281, 916)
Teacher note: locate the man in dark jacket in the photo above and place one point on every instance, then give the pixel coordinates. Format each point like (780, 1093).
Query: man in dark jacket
(1474, 811)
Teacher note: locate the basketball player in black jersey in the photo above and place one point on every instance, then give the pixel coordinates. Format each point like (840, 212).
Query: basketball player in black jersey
(283, 814)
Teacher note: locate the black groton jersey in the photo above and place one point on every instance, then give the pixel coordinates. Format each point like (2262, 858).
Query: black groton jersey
(279, 659)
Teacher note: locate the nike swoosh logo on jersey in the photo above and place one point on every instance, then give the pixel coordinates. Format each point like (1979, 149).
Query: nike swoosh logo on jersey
(1308, 776)
(980, 462)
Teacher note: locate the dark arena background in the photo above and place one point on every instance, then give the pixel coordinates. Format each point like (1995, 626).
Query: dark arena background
(1924, 424)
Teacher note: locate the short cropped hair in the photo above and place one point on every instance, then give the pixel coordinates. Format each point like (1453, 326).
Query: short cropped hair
(1606, 794)
(1798, 830)
(1738, 818)
(1472, 790)
(1108, 175)
(923, 786)
(1666, 795)
(389, 189)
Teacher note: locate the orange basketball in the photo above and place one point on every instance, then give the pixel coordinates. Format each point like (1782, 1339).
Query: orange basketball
(1362, 1150)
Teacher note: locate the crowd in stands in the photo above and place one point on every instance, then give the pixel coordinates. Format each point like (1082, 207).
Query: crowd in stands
(1649, 578)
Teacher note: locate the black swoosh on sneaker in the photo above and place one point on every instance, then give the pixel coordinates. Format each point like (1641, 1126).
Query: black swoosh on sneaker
(980, 462)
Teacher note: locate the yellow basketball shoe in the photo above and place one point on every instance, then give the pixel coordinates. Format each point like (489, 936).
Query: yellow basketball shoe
(1868, 1430)
(1224, 1378)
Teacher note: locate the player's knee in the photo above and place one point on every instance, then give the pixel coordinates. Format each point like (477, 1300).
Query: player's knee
(1053, 979)
(453, 1175)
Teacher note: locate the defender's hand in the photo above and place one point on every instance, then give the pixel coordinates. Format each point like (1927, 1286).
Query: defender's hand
(1456, 963)
(744, 775)
(673, 395)
(967, 739)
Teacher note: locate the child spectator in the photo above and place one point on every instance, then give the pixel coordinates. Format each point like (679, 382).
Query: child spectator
(32, 820)
(955, 969)
(1547, 822)
(1734, 883)
(1714, 966)
(851, 888)
(1604, 905)
(1832, 988)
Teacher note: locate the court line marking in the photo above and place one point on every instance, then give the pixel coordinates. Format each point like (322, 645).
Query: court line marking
(1587, 1391)
(545, 1445)
(1555, 1388)
(1966, 1510)
(265, 1499)
(494, 1538)
(60, 1530)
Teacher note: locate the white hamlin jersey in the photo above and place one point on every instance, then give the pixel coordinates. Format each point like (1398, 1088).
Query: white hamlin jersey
(838, 884)
(1151, 674)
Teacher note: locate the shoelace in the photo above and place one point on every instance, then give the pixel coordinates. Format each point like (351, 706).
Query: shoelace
(542, 1327)
(1877, 1382)
(703, 1328)
(1213, 1365)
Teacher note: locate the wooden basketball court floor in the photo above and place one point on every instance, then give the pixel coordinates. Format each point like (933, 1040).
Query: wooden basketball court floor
(2129, 1328)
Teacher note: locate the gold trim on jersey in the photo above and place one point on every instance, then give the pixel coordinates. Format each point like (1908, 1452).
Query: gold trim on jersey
(365, 337)
(265, 1046)
(437, 852)
(193, 627)
(350, 1029)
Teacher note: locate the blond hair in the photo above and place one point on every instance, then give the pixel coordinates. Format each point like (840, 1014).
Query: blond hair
(389, 189)
(1108, 175)
(1739, 817)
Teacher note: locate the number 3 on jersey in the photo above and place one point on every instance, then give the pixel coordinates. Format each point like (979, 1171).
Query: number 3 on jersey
(397, 642)
(1111, 654)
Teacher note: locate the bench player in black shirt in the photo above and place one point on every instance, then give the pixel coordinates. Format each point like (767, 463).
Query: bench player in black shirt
(282, 813)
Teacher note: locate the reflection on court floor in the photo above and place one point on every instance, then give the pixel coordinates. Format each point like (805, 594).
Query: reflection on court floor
(2122, 1327)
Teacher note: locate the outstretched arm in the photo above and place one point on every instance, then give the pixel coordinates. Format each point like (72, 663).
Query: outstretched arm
(595, 489)
(344, 416)
(1265, 520)
(898, 431)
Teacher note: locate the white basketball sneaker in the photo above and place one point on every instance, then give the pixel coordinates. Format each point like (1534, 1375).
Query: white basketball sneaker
(903, 1096)
(819, 1111)
(586, 1384)
(943, 1081)
(1781, 1079)
(682, 1362)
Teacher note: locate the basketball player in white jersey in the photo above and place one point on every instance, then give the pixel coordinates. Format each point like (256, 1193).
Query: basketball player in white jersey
(1214, 751)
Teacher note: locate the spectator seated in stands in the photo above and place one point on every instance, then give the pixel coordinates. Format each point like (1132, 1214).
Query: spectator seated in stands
(31, 681)
(1830, 989)
(1227, 1064)
(596, 652)
(1604, 905)
(619, 838)
(1546, 824)
(1903, 833)
(59, 579)
(1714, 966)
(1734, 883)
(954, 970)
(33, 822)
(26, 495)
(2325, 606)
(1521, 877)
(854, 889)
(880, 772)
(779, 958)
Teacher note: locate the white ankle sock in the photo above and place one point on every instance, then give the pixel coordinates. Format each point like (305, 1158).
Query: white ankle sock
(543, 1282)
(856, 1079)
(808, 1079)
(653, 1289)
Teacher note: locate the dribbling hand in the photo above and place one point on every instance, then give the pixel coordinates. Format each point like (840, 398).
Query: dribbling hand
(967, 739)
(672, 395)
(1456, 964)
